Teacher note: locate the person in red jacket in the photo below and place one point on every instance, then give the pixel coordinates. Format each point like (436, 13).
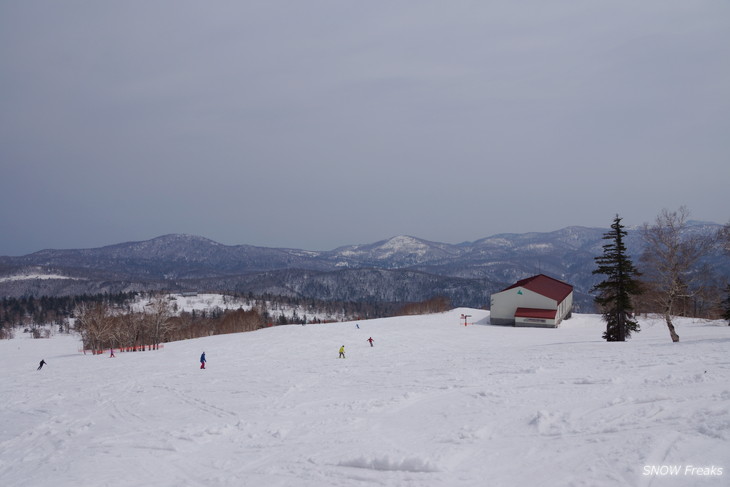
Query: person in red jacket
(371, 341)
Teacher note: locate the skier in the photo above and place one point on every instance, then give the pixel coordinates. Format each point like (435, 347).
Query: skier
(202, 361)
(43, 362)
(371, 341)
(111, 355)
(357, 325)
(342, 352)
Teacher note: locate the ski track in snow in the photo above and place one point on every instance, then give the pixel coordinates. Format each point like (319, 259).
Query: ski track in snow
(433, 403)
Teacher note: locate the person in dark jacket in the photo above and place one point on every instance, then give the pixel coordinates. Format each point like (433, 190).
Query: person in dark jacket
(202, 361)
(40, 366)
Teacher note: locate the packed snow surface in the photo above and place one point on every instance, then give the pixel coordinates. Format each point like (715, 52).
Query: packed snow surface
(432, 403)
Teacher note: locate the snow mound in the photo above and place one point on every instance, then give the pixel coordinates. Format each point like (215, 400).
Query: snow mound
(410, 464)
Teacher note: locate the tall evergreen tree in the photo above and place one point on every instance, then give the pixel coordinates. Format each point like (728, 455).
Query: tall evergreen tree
(614, 293)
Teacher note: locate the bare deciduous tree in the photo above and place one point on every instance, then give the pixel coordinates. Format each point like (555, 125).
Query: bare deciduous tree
(670, 259)
(132, 330)
(95, 323)
(724, 238)
(158, 318)
(436, 304)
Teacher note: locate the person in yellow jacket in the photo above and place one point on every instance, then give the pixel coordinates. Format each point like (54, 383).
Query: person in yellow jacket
(342, 352)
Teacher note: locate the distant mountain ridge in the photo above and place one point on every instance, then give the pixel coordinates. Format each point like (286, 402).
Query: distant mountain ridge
(401, 268)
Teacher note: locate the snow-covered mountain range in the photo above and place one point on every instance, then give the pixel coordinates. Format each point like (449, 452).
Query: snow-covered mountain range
(402, 268)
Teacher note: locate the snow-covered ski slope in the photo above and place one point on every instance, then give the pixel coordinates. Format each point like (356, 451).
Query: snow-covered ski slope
(433, 403)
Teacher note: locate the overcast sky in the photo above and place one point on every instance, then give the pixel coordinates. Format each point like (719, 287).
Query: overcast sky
(314, 124)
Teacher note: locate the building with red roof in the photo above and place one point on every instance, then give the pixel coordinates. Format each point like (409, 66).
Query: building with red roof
(537, 301)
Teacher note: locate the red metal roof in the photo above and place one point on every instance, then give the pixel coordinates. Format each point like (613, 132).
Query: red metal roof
(545, 314)
(545, 285)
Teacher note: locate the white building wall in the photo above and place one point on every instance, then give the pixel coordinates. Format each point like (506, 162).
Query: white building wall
(564, 309)
(505, 303)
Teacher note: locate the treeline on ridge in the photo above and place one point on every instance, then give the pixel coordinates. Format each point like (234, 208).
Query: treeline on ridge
(109, 320)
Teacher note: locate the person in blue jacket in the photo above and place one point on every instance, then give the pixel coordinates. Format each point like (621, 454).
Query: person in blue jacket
(202, 361)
